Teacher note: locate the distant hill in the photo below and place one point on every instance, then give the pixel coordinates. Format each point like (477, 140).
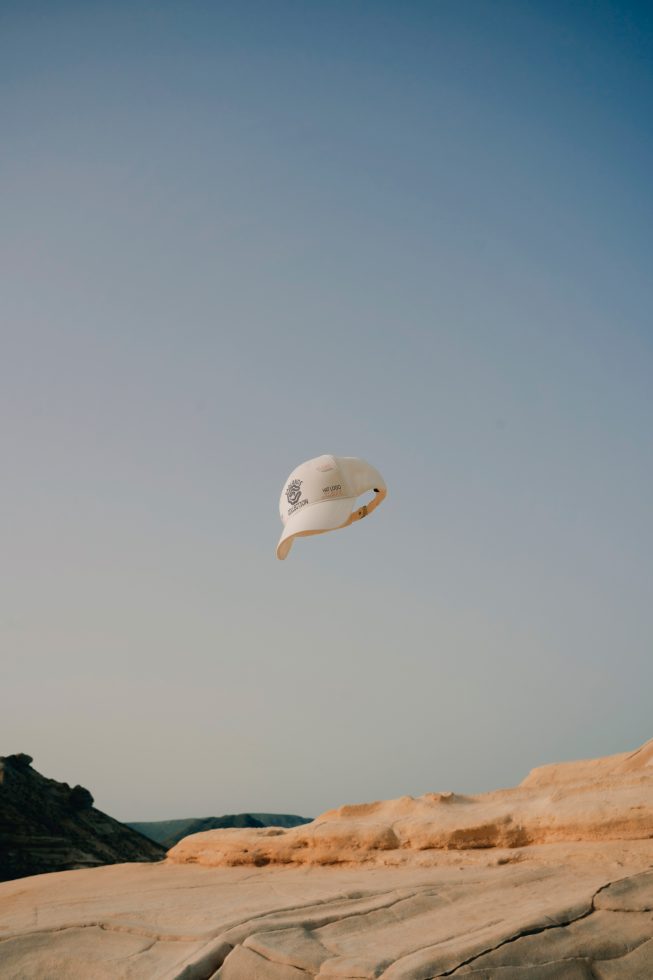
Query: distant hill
(169, 832)
(49, 826)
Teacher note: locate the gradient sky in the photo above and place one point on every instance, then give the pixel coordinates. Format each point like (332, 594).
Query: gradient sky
(238, 235)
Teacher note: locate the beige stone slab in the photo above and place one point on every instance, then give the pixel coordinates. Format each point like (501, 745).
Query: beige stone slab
(597, 936)
(402, 890)
(636, 965)
(325, 922)
(92, 952)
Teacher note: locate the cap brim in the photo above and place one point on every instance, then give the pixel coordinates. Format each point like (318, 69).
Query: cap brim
(326, 515)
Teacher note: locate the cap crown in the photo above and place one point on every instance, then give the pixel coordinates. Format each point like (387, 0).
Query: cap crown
(320, 495)
(317, 480)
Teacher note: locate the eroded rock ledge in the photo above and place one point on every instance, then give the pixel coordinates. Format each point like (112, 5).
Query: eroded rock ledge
(597, 800)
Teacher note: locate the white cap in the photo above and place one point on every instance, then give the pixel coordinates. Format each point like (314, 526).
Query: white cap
(320, 495)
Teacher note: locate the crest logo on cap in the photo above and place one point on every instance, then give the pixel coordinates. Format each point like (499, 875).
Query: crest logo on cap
(293, 491)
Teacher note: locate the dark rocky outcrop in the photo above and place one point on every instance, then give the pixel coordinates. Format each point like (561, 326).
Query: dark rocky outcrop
(49, 826)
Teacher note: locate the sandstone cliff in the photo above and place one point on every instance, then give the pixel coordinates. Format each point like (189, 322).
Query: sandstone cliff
(598, 800)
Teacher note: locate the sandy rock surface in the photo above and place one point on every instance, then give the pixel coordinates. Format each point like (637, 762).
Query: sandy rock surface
(562, 909)
(601, 799)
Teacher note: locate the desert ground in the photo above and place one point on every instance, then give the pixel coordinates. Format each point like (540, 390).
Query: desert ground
(550, 880)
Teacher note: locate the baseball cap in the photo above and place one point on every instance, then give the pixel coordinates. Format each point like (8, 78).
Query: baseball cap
(320, 495)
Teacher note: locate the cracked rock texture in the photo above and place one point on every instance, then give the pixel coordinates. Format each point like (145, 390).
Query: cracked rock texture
(570, 908)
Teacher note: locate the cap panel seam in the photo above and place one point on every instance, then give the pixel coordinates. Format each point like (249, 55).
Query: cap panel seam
(327, 500)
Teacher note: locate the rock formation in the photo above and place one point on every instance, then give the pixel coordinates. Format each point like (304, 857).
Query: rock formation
(49, 826)
(603, 799)
(550, 881)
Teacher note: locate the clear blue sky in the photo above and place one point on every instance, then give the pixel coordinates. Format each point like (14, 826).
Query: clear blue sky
(238, 235)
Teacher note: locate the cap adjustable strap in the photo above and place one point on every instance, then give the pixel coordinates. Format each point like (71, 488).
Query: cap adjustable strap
(367, 508)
